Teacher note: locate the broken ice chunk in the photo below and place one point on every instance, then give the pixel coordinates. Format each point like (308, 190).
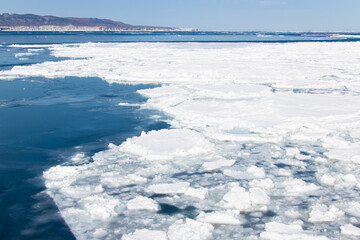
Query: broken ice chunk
(223, 217)
(99, 233)
(238, 198)
(190, 229)
(350, 230)
(259, 197)
(145, 234)
(166, 144)
(262, 183)
(170, 188)
(256, 172)
(323, 213)
(210, 166)
(276, 231)
(353, 208)
(143, 203)
(250, 173)
(101, 207)
(200, 193)
(115, 179)
(295, 187)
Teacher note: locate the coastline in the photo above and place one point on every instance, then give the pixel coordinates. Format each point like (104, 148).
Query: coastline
(86, 29)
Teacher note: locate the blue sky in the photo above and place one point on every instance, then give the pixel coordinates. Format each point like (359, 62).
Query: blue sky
(235, 15)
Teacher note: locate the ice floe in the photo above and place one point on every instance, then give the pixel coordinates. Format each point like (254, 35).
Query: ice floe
(189, 229)
(240, 199)
(142, 203)
(275, 231)
(145, 234)
(350, 230)
(200, 193)
(323, 213)
(261, 135)
(224, 217)
(167, 144)
(299, 187)
(214, 165)
(171, 188)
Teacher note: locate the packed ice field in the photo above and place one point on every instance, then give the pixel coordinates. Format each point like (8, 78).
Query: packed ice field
(264, 142)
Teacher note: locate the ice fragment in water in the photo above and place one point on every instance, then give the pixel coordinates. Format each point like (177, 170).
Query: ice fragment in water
(142, 203)
(166, 144)
(190, 229)
(238, 198)
(350, 230)
(323, 213)
(210, 166)
(145, 234)
(200, 193)
(170, 188)
(224, 217)
(276, 231)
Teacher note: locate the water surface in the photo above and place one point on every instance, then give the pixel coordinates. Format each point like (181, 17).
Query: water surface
(42, 123)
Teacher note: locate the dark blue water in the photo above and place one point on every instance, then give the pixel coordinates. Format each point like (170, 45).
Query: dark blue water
(42, 123)
(9, 56)
(174, 36)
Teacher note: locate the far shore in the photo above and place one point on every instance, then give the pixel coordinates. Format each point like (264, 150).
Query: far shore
(84, 29)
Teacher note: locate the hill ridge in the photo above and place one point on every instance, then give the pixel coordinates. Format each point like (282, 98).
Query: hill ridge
(31, 22)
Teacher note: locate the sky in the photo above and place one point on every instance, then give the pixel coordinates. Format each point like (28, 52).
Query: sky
(226, 15)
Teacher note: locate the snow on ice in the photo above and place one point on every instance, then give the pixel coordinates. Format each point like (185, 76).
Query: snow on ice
(264, 142)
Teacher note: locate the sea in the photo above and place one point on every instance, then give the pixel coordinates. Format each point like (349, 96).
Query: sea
(46, 121)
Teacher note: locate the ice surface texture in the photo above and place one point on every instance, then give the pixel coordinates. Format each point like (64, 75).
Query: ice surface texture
(265, 143)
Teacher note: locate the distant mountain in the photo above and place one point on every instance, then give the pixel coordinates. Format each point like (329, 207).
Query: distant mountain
(31, 22)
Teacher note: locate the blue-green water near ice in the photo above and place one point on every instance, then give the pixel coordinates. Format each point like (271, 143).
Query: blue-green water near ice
(42, 123)
(45, 121)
